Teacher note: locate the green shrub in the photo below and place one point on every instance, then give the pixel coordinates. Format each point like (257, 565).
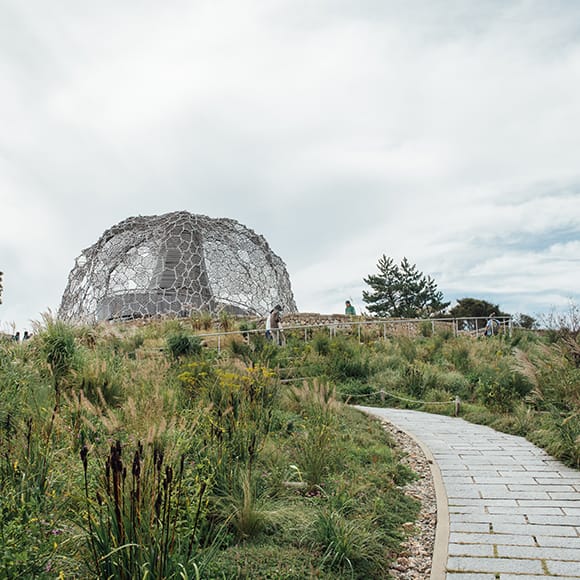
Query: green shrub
(458, 353)
(321, 344)
(426, 328)
(181, 344)
(347, 360)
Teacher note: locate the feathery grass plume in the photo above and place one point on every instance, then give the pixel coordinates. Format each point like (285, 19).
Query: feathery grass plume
(317, 403)
(525, 366)
(100, 378)
(248, 508)
(560, 436)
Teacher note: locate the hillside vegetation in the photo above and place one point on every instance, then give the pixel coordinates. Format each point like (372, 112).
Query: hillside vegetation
(140, 451)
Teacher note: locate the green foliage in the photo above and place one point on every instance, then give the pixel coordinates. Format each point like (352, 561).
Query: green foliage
(247, 506)
(30, 516)
(352, 547)
(314, 440)
(138, 524)
(475, 308)
(347, 360)
(321, 343)
(402, 291)
(99, 378)
(294, 483)
(180, 344)
(58, 346)
(426, 329)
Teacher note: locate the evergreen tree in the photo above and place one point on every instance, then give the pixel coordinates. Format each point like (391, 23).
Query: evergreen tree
(467, 309)
(474, 307)
(402, 291)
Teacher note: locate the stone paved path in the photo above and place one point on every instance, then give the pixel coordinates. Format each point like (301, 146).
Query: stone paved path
(514, 511)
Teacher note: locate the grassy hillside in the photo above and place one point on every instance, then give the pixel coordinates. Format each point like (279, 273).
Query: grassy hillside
(134, 452)
(138, 451)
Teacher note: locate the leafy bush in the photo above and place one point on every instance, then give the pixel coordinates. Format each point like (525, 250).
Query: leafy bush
(181, 344)
(348, 360)
(321, 343)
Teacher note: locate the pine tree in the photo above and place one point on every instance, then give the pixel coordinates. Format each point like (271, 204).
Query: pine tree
(402, 291)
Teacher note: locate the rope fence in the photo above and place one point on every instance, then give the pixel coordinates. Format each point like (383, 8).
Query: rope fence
(383, 394)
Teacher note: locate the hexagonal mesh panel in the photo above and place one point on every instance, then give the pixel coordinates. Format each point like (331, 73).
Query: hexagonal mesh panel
(177, 263)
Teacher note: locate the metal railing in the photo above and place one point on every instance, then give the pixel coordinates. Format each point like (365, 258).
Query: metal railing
(473, 326)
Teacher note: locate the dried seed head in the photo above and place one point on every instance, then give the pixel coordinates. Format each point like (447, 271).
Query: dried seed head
(136, 465)
(84, 453)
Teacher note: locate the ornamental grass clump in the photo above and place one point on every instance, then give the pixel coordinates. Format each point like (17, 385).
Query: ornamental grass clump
(143, 517)
(58, 345)
(349, 546)
(317, 404)
(180, 344)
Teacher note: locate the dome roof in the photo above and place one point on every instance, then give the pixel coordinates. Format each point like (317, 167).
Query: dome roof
(176, 263)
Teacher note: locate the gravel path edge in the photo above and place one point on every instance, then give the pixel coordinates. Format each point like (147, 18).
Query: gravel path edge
(440, 545)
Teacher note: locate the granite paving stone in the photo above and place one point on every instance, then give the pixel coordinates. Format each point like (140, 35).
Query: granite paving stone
(558, 542)
(507, 539)
(535, 552)
(470, 576)
(533, 577)
(562, 568)
(471, 550)
(495, 565)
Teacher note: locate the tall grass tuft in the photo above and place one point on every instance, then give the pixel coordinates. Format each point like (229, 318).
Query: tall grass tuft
(349, 544)
(180, 344)
(60, 351)
(317, 403)
(138, 523)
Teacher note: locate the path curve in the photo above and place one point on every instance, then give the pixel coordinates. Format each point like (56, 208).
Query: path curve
(513, 511)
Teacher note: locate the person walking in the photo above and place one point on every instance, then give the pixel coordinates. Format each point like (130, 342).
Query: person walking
(492, 325)
(274, 324)
(349, 308)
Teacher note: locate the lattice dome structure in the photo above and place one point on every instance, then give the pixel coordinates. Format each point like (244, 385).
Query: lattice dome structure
(178, 263)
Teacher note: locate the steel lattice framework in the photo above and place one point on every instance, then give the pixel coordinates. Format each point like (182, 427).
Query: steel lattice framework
(177, 263)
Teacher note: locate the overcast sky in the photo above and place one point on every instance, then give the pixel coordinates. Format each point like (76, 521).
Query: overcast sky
(446, 131)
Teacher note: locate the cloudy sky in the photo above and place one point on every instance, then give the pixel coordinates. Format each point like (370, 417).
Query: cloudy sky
(446, 131)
